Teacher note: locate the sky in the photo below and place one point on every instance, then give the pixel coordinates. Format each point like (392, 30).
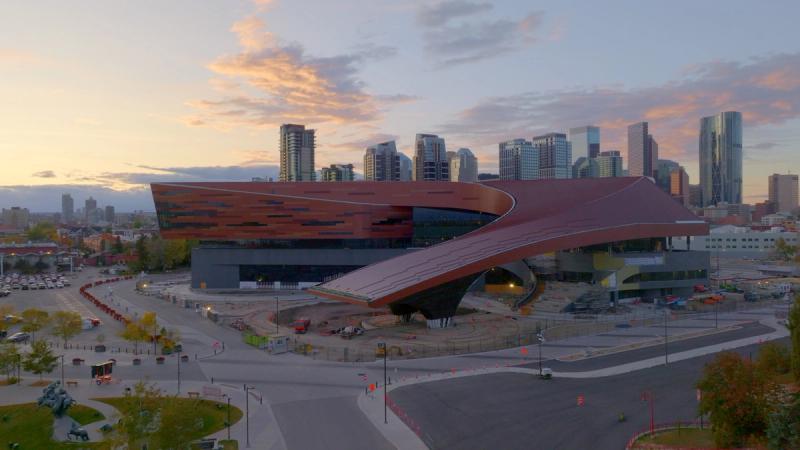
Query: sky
(102, 97)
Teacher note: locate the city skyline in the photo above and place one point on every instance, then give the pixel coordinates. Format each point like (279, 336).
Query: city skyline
(218, 119)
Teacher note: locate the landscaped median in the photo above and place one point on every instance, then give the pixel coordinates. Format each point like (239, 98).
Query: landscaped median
(676, 436)
(32, 427)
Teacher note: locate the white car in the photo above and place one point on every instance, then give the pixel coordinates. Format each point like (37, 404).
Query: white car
(59, 284)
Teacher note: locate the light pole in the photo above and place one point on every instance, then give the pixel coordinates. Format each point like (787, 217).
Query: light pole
(19, 367)
(540, 338)
(647, 396)
(716, 314)
(247, 412)
(179, 372)
(62, 370)
(666, 339)
(277, 313)
(382, 351)
(229, 418)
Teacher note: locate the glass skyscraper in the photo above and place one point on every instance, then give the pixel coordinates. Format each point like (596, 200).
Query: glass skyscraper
(721, 158)
(585, 142)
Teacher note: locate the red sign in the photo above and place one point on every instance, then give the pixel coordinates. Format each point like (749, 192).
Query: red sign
(524, 350)
(580, 400)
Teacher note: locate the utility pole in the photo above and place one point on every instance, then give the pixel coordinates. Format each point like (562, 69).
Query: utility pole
(382, 349)
(247, 412)
(666, 339)
(277, 312)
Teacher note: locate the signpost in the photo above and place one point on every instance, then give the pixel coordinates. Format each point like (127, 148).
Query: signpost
(540, 337)
(382, 352)
(581, 400)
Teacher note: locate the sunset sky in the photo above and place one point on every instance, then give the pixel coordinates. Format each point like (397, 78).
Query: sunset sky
(100, 97)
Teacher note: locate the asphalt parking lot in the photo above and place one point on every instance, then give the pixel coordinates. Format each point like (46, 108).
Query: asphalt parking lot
(519, 411)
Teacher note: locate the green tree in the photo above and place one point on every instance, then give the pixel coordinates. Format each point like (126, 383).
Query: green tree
(118, 247)
(174, 253)
(40, 265)
(793, 324)
(66, 325)
(155, 253)
(134, 332)
(142, 254)
(9, 358)
(783, 250)
(178, 423)
(43, 231)
(5, 310)
(737, 398)
(138, 417)
(22, 265)
(783, 429)
(773, 359)
(40, 359)
(34, 320)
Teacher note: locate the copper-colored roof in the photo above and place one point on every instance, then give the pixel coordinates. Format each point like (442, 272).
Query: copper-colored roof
(547, 215)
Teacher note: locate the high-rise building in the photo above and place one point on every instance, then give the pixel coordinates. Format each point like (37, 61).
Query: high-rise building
(679, 185)
(555, 155)
(695, 195)
(337, 172)
(382, 163)
(297, 153)
(585, 167)
(721, 158)
(762, 209)
(16, 217)
(89, 210)
(519, 160)
(783, 191)
(642, 151)
(609, 164)
(406, 167)
(463, 166)
(430, 159)
(110, 214)
(67, 208)
(663, 172)
(585, 141)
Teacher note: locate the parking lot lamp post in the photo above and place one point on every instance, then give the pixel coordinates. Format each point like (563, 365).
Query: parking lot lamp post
(2, 263)
(382, 348)
(229, 418)
(277, 312)
(247, 412)
(648, 397)
(540, 338)
(62, 370)
(666, 339)
(19, 367)
(179, 373)
(716, 314)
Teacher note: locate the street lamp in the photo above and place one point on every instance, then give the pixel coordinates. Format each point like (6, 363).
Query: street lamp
(647, 396)
(62, 370)
(277, 313)
(382, 351)
(229, 418)
(179, 372)
(540, 338)
(247, 412)
(666, 339)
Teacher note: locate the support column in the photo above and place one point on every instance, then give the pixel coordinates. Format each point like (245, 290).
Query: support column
(438, 304)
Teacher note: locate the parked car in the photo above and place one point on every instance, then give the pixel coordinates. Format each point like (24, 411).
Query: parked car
(18, 337)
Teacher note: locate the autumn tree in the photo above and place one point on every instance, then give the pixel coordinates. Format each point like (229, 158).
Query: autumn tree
(134, 332)
(5, 310)
(66, 325)
(773, 359)
(40, 359)
(34, 320)
(737, 398)
(138, 417)
(9, 358)
(178, 423)
(793, 324)
(149, 325)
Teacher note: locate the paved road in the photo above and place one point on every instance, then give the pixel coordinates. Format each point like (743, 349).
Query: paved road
(518, 411)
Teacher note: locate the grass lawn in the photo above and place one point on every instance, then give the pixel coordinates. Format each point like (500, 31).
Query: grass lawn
(213, 416)
(32, 427)
(84, 414)
(686, 437)
(229, 445)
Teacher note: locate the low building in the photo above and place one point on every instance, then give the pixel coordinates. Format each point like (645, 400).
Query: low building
(337, 172)
(741, 241)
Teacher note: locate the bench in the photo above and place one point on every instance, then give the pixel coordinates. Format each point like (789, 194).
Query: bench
(192, 394)
(208, 443)
(72, 383)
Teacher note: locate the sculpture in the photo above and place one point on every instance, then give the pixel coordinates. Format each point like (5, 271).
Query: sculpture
(55, 397)
(77, 432)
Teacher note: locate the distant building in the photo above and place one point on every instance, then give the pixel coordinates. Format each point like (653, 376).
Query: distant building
(90, 210)
(773, 220)
(488, 176)
(662, 173)
(406, 167)
(783, 192)
(585, 141)
(696, 195)
(763, 209)
(381, 162)
(739, 241)
(555, 155)
(337, 172)
(519, 160)
(463, 166)
(67, 208)
(609, 164)
(642, 151)
(16, 217)
(679, 185)
(297, 149)
(721, 158)
(585, 167)
(430, 159)
(110, 214)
